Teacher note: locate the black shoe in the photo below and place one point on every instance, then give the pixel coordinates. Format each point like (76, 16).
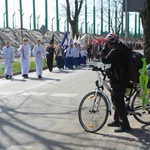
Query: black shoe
(9, 77)
(25, 76)
(113, 124)
(6, 77)
(39, 76)
(123, 129)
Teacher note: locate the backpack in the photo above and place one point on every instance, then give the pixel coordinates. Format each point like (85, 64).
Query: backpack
(134, 63)
(135, 66)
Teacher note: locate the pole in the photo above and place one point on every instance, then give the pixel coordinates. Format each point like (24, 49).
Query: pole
(21, 21)
(34, 15)
(52, 23)
(85, 16)
(135, 28)
(101, 17)
(139, 26)
(115, 17)
(126, 21)
(122, 24)
(59, 24)
(46, 14)
(13, 20)
(6, 4)
(4, 19)
(57, 16)
(30, 21)
(38, 22)
(109, 16)
(65, 25)
(93, 16)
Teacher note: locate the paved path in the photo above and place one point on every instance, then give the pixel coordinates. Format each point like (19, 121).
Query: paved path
(43, 115)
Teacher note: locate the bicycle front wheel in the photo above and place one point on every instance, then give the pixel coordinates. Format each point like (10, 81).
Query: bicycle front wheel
(93, 112)
(141, 115)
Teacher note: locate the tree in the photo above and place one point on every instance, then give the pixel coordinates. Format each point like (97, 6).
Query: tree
(73, 16)
(146, 30)
(116, 14)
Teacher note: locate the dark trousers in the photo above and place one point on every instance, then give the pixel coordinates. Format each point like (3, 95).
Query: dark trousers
(50, 63)
(119, 103)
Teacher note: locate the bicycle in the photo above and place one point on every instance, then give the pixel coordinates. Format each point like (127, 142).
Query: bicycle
(95, 106)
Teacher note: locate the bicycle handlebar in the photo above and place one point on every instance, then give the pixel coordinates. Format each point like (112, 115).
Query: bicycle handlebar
(95, 68)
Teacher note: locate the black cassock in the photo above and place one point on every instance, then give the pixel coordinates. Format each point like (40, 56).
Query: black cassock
(50, 57)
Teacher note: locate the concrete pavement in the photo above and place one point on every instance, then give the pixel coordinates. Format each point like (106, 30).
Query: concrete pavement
(42, 115)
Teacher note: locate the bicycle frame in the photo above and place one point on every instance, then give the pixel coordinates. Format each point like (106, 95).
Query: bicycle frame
(97, 90)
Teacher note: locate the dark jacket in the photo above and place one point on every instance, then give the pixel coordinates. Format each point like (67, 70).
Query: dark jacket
(50, 51)
(118, 61)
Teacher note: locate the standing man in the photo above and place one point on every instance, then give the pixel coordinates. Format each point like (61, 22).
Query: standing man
(8, 54)
(112, 54)
(25, 53)
(50, 55)
(38, 53)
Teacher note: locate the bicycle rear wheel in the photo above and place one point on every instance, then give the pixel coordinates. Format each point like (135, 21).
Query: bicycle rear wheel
(141, 115)
(93, 112)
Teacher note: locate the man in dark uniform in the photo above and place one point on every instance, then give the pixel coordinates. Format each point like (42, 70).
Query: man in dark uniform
(112, 54)
(50, 56)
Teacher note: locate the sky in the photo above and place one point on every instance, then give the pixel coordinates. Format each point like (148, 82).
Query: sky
(13, 6)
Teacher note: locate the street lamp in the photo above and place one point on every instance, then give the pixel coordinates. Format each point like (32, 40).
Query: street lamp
(105, 27)
(13, 18)
(87, 24)
(98, 28)
(59, 24)
(4, 18)
(52, 23)
(38, 22)
(91, 27)
(65, 25)
(81, 25)
(30, 21)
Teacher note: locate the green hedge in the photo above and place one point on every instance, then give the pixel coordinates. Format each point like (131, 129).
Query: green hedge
(17, 66)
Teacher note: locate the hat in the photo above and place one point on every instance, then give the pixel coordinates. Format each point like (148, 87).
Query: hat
(51, 42)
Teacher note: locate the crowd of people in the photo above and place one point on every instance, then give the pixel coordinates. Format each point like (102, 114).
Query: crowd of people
(71, 57)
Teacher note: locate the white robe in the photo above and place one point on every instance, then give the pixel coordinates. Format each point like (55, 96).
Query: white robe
(38, 53)
(25, 58)
(8, 55)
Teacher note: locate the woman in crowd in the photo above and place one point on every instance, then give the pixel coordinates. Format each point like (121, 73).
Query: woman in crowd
(60, 57)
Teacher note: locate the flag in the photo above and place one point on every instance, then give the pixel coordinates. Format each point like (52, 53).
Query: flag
(52, 39)
(70, 38)
(143, 83)
(64, 42)
(75, 39)
(79, 40)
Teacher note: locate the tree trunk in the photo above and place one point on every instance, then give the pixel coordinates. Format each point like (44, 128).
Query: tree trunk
(146, 30)
(73, 27)
(73, 18)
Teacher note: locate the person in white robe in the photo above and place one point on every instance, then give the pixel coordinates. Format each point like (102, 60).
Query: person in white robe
(39, 52)
(8, 55)
(25, 53)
